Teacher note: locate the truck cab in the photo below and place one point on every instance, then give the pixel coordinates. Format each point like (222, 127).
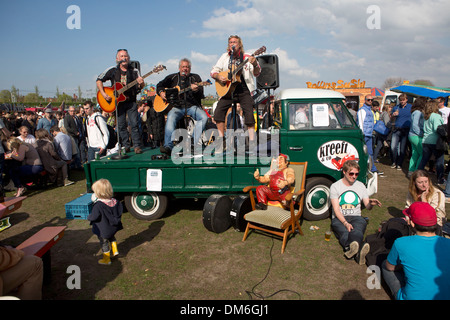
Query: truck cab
(315, 126)
(310, 125)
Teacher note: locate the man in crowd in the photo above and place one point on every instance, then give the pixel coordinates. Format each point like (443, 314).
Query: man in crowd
(47, 121)
(63, 144)
(402, 116)
(366, 123)
(97, 131)
(74, 127)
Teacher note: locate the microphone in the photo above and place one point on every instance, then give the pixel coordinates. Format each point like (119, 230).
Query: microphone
(232, 48)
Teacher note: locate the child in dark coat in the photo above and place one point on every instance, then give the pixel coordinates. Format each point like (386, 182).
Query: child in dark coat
(106, 219)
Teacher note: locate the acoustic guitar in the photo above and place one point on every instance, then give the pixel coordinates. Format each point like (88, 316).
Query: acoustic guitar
(226, 89)
(116, 92)
(160, 105)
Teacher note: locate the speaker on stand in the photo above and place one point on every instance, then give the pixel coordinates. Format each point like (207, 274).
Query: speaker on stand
(270, 75)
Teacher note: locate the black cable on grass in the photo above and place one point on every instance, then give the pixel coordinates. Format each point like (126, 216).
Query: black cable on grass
(260, 296)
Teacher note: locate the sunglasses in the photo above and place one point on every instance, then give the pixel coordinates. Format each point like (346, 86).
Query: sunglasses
(122, 50)
(369, 99)
(351, 174)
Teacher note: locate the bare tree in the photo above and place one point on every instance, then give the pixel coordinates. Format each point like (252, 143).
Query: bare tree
(393, 82)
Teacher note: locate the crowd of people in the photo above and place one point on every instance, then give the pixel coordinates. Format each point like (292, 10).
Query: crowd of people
(416, 132)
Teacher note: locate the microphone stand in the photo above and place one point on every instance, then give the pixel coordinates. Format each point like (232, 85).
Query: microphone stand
(119, 155)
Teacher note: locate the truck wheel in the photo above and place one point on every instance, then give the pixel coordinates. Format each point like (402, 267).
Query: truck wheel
(317, 199)
(146, 205)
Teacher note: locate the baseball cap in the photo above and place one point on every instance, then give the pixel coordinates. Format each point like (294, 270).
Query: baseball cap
(421, 213)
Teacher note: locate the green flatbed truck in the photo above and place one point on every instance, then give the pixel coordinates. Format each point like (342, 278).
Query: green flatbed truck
(326, 139)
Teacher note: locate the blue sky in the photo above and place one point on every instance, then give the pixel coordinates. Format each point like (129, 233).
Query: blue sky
(327, 40)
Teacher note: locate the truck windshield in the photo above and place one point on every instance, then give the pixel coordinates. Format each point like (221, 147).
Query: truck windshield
(318, 116)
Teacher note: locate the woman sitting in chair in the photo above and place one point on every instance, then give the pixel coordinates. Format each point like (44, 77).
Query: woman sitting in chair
(29, 162)
(279, 182)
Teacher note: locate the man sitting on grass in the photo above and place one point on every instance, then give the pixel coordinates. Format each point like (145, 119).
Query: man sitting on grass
(347, 223)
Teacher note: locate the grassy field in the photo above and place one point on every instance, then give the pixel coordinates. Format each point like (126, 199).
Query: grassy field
(177, 258)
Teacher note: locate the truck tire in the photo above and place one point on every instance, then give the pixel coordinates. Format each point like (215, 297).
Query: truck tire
(317, 199)
(146, 205)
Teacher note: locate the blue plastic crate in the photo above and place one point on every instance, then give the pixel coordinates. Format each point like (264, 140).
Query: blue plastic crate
(79, 208)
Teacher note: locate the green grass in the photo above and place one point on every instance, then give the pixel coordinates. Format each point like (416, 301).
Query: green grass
(177, 258)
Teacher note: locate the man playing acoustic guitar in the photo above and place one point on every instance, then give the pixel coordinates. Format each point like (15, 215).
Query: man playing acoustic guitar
(242, 90)
(188, 103)
(124, 74)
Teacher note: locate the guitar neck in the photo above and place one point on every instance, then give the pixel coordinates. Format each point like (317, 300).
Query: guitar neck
(133, 83)
(239, 68)
(200, 84)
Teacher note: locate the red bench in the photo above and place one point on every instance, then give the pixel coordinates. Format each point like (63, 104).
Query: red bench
(10, 204)
(40, 244)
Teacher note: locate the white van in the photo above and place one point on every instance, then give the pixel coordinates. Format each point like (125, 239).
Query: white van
(390, 97)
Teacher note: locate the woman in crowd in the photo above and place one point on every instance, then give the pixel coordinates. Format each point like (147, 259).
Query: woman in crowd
(415, 136)
(25, 136)
(430, 136)
(421, 188)
(29, 162)
(380, 139)
(53, 164)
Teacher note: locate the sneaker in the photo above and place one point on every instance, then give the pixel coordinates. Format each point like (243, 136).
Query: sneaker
(399, 168)
(67, 182)
(352, 250)
(165, 150)
(394, 166)
(380, 173)
(361, 257)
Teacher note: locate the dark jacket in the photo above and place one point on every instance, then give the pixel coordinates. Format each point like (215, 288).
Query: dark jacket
(105, 219)
(155, 124)
(74, 128)
(49, 157)
(175, 79)
(113, 74)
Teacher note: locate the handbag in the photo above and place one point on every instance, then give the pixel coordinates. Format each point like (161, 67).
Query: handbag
(381, 128)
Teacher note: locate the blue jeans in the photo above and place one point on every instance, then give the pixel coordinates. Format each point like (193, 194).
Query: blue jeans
(19, 172)
(398, 146)
(394, 279)
(129, 109)
(379, 142)
(176, 114)
(91, 153)
(369, 143)
(357, 234)
(427, 151)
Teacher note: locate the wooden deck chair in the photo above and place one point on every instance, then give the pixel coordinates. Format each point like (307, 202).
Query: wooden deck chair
(276, 219)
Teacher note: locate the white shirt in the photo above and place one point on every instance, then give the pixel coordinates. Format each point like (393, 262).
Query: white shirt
(445, 112)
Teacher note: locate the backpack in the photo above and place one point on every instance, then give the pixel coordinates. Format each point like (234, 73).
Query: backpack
(381, 242)
(112, 135)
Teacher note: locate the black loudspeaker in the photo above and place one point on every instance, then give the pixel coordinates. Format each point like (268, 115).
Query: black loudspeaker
(269, 77)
